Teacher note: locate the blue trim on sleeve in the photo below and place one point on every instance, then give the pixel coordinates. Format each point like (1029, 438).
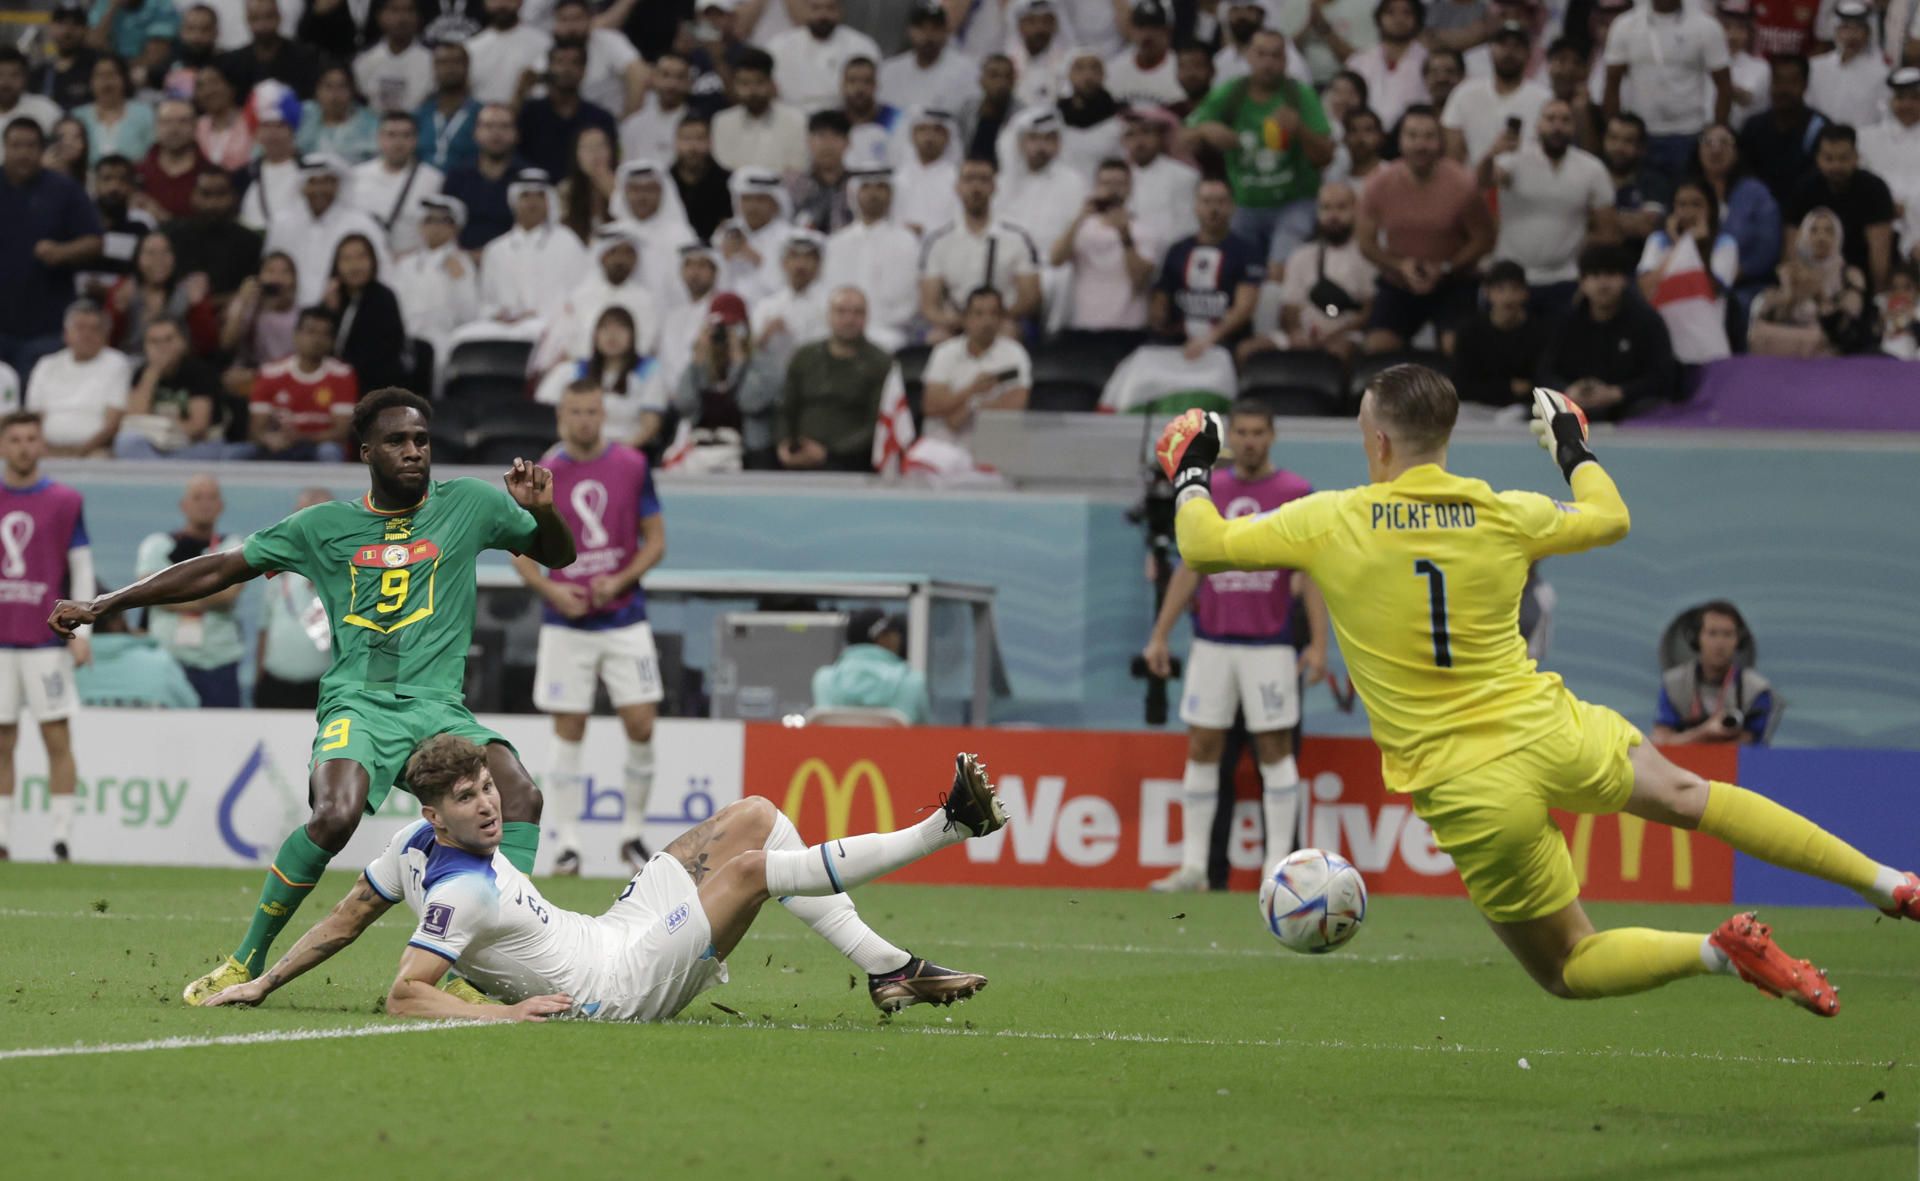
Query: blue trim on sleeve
(375, 886)
(452, 959)
(79, 530)
(649, 498)
(1759, 713)
(422, 838)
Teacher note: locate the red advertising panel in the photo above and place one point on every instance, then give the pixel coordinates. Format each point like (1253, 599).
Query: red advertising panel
(1096, 809)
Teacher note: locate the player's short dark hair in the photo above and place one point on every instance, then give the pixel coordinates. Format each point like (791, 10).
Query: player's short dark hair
(112, 160)
(16, 418)
(1506, 271)
(1250, 408)
(859, 59)
(369, 409)
(10, 55)
(585, 385)
(29, 123)
(318, 311)
(1839, 133)
(399, 117)
(758, 61)
(1419, 110)
(1419, 405)
(1346, 120)
(439, 763)
(834, 121)
(567, 45)
(985, 293)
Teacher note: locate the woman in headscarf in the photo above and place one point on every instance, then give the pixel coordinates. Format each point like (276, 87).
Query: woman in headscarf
(1819, 305)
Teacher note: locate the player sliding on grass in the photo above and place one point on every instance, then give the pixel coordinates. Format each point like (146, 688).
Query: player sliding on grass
(1422, 571)
(395, 571)
(663, 942)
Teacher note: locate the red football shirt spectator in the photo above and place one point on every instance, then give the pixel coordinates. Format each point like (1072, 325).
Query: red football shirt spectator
(302, 406)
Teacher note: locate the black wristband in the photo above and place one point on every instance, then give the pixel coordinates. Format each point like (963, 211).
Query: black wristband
(1570, 450)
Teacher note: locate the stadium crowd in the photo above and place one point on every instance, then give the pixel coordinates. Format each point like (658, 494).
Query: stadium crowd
(805, 233)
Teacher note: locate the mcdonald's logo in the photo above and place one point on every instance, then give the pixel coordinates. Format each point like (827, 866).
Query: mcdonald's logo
(838, 792)
(1633, 833)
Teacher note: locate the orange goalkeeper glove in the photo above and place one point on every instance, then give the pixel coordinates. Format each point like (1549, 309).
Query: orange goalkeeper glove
(1187, 450)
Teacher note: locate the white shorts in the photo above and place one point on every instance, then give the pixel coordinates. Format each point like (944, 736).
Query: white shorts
(1261, 680)
(38, 681)
(572, 660)
(668, 956)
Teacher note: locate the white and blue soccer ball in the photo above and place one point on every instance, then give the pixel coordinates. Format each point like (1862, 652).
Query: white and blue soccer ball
(1314, 901)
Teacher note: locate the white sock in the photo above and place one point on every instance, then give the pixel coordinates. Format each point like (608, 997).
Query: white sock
(1200, 798)
(637, 776)
(834, 918)
(6, 818)
(839, 866)
(62, 807)
(566, 791)
(1715, 959)
(1885, 883)
(1280, 801)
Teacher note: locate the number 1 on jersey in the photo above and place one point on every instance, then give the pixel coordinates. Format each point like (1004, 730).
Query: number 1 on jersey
(1437, 600)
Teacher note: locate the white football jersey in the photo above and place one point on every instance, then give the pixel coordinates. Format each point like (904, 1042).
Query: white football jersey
(489, 921)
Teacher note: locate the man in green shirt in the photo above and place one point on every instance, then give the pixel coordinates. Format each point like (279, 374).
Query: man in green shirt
(395, 571)
(204, 636)
(1275, 139)
(833, 391)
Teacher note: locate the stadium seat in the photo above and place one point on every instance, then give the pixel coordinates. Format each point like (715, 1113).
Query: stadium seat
(419, 357)
(1088, 356)
(483, 388)
(1304, 383)
(485, 368)
(1368, 364)
(1068, 396)
(1067, 376)
(851, 715)
(452, 432)
(516, 417)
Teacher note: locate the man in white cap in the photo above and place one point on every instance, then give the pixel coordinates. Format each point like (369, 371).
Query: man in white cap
(1848, 83)
(310, 230)
(1039, 52)
(797, 313)
(389, 186)
(756, 130)
(931, 72)
(1890, 149)
(437, 285)
(612, 281)
(1144, 72)
(699, 270)
(648, 132)
(1163, 187)
(499, 54)
(273, 179)
(878, 256)
(647, 208)
(808, 60)
(526, 273)
(977, 249)
(924, 179)
(1039, 192)
(751, 241)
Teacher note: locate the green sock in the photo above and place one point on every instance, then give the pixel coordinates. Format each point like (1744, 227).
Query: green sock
(520, 842)
(296, 869)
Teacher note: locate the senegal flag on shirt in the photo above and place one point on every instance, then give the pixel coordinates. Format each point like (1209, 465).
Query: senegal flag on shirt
(1270, 168)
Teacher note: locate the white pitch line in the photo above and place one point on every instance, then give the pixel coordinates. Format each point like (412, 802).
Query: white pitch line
(269, 1037)
(263, 1037)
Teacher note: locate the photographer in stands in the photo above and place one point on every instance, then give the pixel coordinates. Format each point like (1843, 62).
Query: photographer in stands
(1712, 698)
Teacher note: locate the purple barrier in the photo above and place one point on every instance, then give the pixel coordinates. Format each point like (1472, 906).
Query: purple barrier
(1867, 797)
(1783, 394)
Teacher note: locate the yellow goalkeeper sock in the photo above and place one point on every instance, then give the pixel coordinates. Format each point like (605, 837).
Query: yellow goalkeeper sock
(1633, 959)
(1757, 826)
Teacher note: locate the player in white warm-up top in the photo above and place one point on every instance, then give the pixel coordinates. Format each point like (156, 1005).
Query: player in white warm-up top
(595, 627)
(666, 938)
(1242, 657)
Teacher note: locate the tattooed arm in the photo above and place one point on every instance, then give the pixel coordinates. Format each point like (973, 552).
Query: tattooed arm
(354, 914)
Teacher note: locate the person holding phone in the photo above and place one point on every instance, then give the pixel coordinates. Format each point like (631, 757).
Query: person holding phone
(980, 369)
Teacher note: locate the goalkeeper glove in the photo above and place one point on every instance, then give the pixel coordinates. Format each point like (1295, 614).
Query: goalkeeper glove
(1561, 426)
(1187, 450)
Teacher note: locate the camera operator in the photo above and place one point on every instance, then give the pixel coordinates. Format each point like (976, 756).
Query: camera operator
(1242, 658)
(1712, 698)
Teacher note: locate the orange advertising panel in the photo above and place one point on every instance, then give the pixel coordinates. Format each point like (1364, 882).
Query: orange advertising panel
(1099, 809)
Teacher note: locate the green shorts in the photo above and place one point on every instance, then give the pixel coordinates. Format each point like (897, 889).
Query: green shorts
(379, 732)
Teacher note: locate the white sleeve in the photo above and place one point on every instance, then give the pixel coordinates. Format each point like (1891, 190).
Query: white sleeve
(1024, 363)
(384, 874)
(81, 585)
(1616, 51)
(940, 365)
(1715, 56)
(1725, 264)
(454, 913)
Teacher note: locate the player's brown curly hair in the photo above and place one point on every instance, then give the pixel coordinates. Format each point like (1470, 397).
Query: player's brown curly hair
(439, 763)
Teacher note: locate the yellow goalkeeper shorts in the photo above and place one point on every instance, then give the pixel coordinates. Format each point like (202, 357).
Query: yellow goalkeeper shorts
(1493, 821)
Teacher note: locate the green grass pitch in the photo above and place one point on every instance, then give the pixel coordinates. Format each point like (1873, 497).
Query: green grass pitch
(1124, 1035)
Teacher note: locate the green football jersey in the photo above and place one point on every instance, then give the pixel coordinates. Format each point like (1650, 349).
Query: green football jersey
(398, 586)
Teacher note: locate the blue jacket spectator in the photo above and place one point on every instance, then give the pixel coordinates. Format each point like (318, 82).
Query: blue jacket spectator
(48, 228)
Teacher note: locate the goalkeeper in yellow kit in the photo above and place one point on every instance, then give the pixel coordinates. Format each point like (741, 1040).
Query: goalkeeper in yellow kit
(1422, 572)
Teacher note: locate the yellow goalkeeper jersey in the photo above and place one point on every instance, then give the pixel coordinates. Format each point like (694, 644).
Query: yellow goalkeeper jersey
(1422, 576)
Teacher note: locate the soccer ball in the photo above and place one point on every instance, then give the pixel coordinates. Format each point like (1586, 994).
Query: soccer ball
(1314, 901)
